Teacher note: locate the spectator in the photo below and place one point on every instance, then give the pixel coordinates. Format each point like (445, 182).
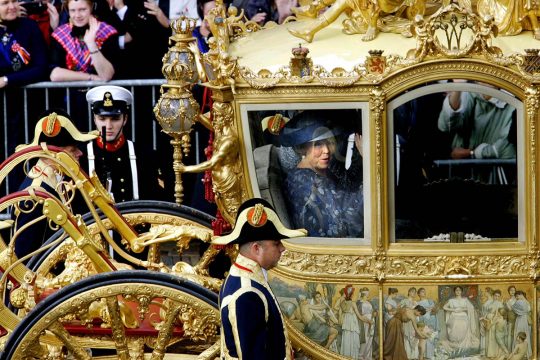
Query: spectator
(202, 32)
(85, 48)
(44, 13)
(113, 157)
(23, 61)
(263, 11)
(167, 10)
(24, 53)
(142, 37)
(479, 126)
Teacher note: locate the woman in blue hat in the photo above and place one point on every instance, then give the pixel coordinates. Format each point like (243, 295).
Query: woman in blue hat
(322, 197)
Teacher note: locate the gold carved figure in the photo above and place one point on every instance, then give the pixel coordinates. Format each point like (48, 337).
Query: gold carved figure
(364, 16)
(225, 163)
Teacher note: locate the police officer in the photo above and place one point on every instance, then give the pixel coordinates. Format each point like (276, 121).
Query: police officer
(252, 326)
(54, 128)
(112, 156)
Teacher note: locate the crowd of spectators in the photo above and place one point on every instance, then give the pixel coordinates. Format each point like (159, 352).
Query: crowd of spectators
(85, 40)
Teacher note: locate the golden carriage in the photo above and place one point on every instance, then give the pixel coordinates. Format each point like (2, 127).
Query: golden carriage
(458, 231)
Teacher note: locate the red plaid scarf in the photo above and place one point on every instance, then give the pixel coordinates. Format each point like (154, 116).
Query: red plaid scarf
(77, 53)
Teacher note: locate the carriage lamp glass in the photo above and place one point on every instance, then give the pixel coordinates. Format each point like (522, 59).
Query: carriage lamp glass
(176, 109)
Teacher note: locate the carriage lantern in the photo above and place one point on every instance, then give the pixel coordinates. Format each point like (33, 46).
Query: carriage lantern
(176, 109)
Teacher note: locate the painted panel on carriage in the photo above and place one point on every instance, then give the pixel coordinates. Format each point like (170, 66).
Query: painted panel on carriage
(456, 152)
(342, 318)
(309, 165)
(465, 321)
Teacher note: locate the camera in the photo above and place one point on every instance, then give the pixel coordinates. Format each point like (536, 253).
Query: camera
(34, 7)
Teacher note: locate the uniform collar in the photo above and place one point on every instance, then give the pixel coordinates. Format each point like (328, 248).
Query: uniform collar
(248, 268)
(114, 146)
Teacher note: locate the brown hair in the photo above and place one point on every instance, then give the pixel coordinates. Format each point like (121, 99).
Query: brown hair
(92, 4)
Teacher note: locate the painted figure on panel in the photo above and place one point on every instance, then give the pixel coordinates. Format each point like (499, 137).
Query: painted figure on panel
(462, 332)
(317, 319)
(409, 331)
(429, 319)
(350, 327)
(390, 304)
(394, 341)
(489, 313)
(510, 316)
(522, 308)
(367, 324)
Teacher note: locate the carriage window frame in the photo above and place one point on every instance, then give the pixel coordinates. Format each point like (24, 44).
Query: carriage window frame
(246, 108)
(441, 87)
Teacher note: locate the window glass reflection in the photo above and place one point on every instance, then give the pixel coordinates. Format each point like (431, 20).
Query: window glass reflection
(314, 158)
(455, 167)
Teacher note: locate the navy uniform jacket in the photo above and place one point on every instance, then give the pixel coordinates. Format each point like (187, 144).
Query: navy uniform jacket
(120, 169)
(252, 326)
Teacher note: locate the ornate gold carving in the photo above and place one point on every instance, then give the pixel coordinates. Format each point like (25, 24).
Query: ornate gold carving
(77, 266)
(454, 32)
(186, 271)
(376, 105)
(165, 233)
(381, 266)
(532, 104)
(199, 324)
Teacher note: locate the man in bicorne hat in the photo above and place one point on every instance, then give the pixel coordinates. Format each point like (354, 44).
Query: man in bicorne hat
(54, 128)
(112, 156)
(252, 326)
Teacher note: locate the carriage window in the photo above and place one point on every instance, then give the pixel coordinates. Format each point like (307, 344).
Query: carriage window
(309, 165)
(455, 171)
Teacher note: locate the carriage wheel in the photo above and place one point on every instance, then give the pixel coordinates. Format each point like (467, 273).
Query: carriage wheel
(120, 315)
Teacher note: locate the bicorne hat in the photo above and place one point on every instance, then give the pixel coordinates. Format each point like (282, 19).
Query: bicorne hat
(257, 220)
(56, 128)
(109, 100)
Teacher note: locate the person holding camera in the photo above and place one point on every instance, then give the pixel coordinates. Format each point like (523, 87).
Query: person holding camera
(44, 13)
(84, 48)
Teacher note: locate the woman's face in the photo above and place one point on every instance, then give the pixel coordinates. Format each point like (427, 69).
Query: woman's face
(318, 155)
(79, 12)
(8, 10)
(458, 291)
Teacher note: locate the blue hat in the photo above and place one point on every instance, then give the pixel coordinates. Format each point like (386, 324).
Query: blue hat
(307, 126)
